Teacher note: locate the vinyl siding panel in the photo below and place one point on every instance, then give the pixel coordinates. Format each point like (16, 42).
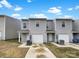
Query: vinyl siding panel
(12, 26)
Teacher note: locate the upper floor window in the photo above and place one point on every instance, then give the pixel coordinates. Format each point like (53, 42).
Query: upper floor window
(47, 27)
(24, 25)
(37, 25)
(63, 24)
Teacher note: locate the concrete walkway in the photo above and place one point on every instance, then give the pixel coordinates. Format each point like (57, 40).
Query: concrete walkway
(24, 46)
(72, 45)
(33, 54)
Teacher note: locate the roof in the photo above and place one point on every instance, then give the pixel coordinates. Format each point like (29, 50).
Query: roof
(37, 19)
(24, 19)
(7, 16)
(2, 15)
(50, 20)
(68, 19)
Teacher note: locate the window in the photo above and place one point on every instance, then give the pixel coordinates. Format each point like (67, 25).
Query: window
(63, 24)
(37, 25)
(24, 25)
(47, 27)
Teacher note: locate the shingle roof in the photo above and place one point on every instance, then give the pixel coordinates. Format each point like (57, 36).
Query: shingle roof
(24, 19)
(2, 15)
(64, 19)
(37, 19)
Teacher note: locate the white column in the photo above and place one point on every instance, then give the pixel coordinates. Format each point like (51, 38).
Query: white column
(19, 36)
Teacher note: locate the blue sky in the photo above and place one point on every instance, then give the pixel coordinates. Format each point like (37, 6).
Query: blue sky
(40, 8)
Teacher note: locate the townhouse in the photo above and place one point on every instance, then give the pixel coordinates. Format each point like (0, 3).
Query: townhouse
(40, 30)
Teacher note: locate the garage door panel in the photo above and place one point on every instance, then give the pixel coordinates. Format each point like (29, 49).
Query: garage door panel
(37, 38)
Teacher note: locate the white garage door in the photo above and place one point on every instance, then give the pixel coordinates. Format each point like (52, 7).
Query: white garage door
(37, 38)
(63, 37)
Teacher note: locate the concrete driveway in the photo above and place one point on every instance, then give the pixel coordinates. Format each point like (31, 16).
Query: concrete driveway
(35, 52)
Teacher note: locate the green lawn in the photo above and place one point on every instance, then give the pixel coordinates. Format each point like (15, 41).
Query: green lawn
(63, 52)
(9, 49)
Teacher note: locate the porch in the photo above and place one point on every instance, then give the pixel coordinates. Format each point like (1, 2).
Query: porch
(75, 37)
(23, 36)
(29, 38)
(50, 36)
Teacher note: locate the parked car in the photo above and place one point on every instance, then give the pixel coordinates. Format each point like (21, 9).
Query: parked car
(75, 40)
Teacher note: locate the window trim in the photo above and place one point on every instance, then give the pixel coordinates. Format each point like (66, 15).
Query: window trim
(24, 25)
(37, 24)
(63, 24)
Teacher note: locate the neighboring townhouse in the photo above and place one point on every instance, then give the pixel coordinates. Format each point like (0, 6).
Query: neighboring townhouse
(8, 27)
(40, 30)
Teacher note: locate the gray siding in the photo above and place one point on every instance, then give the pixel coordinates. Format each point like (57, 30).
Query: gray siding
(64, 30)
(76, 25)
(50, 25)
(38, 30)
(11, 28)
(34, 29)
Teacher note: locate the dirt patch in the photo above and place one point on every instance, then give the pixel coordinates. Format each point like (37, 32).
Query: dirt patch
(14, 52)
(10, 49)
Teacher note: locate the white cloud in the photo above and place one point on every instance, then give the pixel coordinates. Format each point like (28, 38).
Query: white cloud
(70, 9)
(5, 3)
(65, 16)
(15, 15)
(40, 15)
(77, 7)
(29, 1)
(18, 16)
(59, 7)
(24, 17)
(54, 10)
(18, 8)
(1, 6)
(59, 13)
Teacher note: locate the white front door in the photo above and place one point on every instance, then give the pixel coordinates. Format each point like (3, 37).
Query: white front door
(64, 37)
(37, 38)
(50, 38)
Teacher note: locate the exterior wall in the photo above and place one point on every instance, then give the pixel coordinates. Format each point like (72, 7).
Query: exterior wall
(41, 30)
(11, 27)
(64, 30)
(2, 28)
(50, 25)
(75, 25)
